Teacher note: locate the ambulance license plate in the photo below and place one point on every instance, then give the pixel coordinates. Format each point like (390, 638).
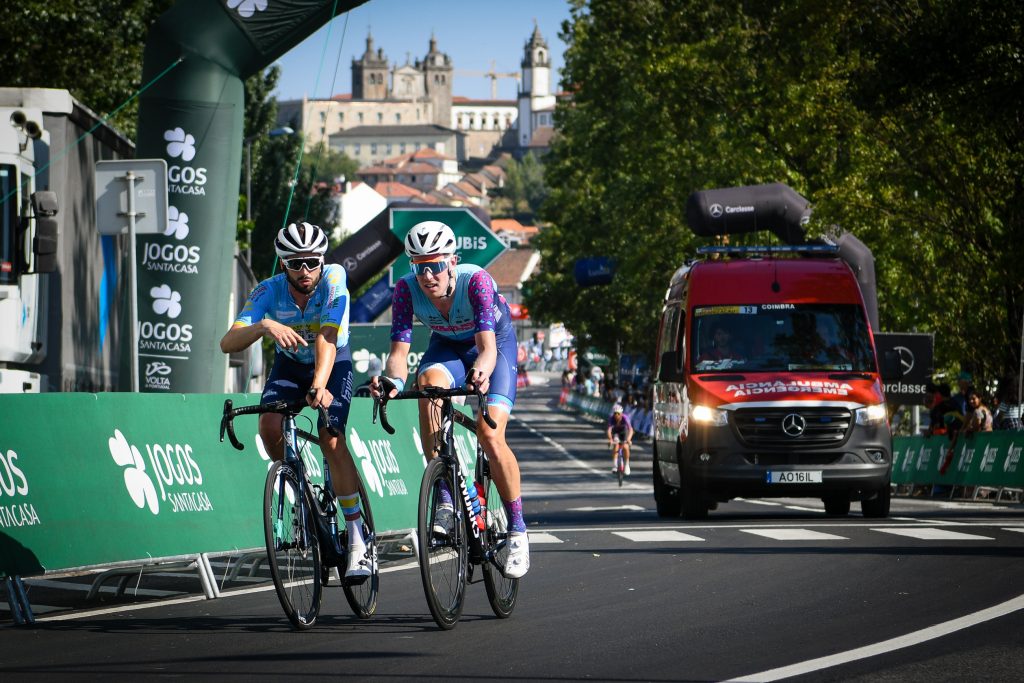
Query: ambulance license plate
(793, 477)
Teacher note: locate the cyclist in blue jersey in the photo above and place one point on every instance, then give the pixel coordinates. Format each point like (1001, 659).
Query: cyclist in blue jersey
(305, 309)
(473, 342)
(620, 430)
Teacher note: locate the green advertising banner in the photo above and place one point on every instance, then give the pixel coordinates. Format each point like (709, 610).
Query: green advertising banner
(95, 479)
(369, 341)
(984, 459)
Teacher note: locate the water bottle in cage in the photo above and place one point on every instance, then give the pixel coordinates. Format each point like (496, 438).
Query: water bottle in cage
(476, 500)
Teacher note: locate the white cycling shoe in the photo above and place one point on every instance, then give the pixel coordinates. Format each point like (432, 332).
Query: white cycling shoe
(359, 566)
(518, 561)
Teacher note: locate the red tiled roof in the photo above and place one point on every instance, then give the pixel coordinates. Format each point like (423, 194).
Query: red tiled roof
(510, 267)
(426, 152)
(421, 167)
(396, 190)
(505, 224)
(343, 96)
(469, 189)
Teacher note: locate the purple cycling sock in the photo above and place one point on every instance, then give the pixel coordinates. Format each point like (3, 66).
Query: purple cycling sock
(445, 493)
(514, 509)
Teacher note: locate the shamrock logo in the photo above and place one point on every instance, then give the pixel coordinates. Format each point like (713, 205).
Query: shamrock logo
(166, 301)
(370, 475)
(181, 144)
(247, 8)
(177, 223)
(140, 486)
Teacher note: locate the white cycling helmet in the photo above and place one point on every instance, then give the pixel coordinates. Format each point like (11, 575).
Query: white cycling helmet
(430, 238)
(300, 238)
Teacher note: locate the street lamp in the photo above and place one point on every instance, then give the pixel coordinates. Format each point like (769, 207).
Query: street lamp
(276, 132)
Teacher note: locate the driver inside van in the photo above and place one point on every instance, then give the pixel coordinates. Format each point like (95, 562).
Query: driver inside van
(722, 346)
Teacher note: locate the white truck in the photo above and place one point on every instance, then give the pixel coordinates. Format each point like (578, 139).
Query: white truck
(61, 283)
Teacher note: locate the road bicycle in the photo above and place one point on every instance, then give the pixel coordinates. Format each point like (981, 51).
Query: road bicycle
(300, 522)
(620, 460)
(448, 555)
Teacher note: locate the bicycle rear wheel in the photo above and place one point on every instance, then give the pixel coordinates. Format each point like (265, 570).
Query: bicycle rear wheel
(443, 558)
(293, 548)
(362, 596)
(501, 591)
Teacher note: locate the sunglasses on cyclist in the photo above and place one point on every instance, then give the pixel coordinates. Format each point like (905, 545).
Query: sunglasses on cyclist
(435, 267)
(309, 262)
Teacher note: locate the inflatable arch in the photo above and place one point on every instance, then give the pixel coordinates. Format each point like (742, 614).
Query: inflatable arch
(199, 53)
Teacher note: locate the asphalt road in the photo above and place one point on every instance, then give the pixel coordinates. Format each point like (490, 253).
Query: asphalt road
(761, 590)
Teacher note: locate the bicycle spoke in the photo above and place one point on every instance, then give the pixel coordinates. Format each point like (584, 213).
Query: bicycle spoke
(501, 591)
(293, 550)
(443, 561)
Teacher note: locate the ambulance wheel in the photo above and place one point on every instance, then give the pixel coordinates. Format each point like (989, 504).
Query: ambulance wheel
(878, 505)
(837, 505)
(666, 498)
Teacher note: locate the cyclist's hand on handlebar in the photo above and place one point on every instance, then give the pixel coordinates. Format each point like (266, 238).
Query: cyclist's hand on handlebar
(319, 396)
(284, 336)
(378, 384)
(476, 380)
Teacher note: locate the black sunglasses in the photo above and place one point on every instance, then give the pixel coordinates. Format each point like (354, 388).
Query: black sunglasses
(310, 263)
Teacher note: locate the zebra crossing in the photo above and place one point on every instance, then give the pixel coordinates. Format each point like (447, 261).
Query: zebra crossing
(776, 533)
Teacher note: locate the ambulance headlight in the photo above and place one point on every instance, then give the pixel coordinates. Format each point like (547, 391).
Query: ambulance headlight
(713, 417)
(871, 415)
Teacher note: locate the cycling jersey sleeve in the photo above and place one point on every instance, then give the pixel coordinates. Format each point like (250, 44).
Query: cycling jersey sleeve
(481, 298)
(256, 306)
(333, 313)
(401, 313)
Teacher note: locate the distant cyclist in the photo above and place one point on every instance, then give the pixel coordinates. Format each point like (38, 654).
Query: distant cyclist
(304, 309)
(620, 430)
(472, 341)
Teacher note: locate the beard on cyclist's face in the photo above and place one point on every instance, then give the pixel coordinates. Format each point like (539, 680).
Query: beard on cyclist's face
(303, 279)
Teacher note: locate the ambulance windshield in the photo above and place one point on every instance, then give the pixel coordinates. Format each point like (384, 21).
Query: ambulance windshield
(780, 338)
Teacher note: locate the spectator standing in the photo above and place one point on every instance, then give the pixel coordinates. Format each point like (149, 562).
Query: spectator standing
(1008, 414)
(979, 418)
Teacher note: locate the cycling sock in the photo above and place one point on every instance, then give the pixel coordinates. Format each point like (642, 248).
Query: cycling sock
(445, 493)
(514, 509)
(350, 509)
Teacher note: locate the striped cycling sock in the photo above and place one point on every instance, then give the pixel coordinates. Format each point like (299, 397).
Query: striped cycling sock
(350, 509)
(514, 509)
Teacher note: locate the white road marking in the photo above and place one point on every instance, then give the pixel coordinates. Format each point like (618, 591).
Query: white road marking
(898, 643)
(543, 537)
(616, 508)
(558, 447)
(935, 534)
(794, 534)
(656, 536)
(1014, 528)
(759, 502)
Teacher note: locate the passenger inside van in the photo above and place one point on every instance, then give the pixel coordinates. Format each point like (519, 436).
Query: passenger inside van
(721, 345)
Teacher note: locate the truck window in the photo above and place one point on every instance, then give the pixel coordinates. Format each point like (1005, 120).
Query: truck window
(8, 224)
(781, 338)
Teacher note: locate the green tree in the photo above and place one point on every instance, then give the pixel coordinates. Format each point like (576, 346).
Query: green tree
(92, 49)
(900, 123)
(525, 189)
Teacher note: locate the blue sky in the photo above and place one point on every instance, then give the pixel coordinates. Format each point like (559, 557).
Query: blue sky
(473, 34)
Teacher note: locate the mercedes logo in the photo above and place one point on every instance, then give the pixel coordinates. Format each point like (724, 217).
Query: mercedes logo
(349, 263)
(793, 425)
(906, 359)
(715, 210)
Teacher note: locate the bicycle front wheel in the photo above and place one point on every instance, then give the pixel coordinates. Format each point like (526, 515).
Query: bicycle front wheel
(362, 596)
(620, 466)
(501, 591)
(293, 548)
(443, 555)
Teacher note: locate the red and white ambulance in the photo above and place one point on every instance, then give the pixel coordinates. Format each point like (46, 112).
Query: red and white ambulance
(767, 383)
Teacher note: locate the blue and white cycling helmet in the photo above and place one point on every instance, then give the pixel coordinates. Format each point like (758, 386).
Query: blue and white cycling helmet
(430, 238)
(300, 238)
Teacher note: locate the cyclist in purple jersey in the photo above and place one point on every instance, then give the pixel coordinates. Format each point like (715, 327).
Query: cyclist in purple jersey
(307, 305)
(620, 429)
(472, 342)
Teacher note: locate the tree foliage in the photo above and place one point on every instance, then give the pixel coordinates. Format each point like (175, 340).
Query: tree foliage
(92, 49)
(899, 121)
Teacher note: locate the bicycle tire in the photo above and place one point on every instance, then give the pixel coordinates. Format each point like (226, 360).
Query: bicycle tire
(620, 467)
(501, 590)
(443, 561)
(362, 597)
(293, 548)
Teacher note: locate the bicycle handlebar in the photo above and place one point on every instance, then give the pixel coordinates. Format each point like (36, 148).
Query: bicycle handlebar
(380, 404)
(291, 408)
